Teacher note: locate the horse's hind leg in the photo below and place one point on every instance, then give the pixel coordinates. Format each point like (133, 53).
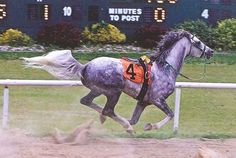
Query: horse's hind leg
(108, 110)
(88, 101)
(161, 104)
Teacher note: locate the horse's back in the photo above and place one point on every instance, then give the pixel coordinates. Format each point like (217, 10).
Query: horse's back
(103, 73)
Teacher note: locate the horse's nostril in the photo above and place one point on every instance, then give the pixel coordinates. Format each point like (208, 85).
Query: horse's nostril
(210, 52)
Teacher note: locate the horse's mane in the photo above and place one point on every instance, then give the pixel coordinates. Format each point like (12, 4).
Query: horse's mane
(165, 45)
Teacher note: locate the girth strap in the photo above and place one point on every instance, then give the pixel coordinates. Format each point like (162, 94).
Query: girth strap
(146, 76)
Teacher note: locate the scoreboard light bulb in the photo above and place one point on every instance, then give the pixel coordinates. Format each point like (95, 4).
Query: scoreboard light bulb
(160, 1)
(46, 12)
(172, 1)
(3, 12)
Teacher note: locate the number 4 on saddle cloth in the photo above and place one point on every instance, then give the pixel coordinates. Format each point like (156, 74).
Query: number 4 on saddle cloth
(138, 71)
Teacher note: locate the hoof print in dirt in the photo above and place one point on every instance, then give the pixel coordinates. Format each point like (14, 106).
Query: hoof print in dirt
(79, 136)
(204, 152)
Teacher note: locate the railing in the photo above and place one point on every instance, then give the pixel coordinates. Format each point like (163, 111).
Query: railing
(7, 83)
(179, 85)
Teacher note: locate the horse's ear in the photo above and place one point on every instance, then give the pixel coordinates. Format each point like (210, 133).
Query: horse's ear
(186, 34)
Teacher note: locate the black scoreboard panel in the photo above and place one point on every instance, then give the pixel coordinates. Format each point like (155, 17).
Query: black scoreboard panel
(214, 10)
(30, 15)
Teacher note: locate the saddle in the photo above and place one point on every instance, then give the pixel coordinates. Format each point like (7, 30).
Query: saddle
(138, 71)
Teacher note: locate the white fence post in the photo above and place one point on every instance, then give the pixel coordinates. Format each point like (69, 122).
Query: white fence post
(177, 109)
(5, 107)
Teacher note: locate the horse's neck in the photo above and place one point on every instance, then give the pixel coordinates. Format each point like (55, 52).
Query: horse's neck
(178, 53)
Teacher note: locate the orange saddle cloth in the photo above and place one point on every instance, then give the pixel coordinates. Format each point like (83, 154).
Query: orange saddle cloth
(134, 72)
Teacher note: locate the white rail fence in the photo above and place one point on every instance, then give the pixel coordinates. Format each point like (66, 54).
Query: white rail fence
(179, 86)
(7, 83)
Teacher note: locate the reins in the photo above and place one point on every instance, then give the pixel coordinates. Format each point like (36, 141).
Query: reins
(204, 68)
(185, 76)
(176, 72)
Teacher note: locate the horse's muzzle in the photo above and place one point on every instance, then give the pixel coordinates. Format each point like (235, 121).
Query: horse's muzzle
(209, 53)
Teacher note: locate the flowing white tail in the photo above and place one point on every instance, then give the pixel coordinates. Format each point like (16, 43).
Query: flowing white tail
(59, 63)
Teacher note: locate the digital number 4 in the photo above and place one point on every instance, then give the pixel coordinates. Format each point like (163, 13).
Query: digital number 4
(130, 71)
(205, 13)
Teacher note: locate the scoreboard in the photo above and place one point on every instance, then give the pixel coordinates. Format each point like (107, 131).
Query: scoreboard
(31, 15)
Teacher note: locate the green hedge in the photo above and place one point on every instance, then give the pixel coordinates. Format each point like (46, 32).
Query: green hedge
(14, 37)
(221, 37)
(204, 32)
(226, 34)
(103, 33)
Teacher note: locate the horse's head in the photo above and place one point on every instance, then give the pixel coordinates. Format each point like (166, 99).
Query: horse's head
(199, 49)
(194, 47)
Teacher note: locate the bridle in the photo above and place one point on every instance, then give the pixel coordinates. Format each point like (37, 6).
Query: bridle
(196, 44)
(203, 55)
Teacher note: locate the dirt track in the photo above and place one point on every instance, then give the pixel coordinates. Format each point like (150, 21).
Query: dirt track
(17, 144)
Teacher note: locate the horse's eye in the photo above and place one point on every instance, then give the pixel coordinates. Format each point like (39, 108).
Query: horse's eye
(198, 42)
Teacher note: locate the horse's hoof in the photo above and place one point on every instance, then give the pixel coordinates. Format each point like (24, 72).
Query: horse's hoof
(102, 119)
(132, 122)
(148, 127)
(130, 131)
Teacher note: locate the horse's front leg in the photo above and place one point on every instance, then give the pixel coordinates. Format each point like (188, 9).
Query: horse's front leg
(137, 112)
(161, 104)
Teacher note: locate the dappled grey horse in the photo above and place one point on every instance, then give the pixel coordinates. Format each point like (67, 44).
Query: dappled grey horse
(104, 75)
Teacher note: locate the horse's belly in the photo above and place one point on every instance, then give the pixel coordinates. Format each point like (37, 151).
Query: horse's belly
(132, 89)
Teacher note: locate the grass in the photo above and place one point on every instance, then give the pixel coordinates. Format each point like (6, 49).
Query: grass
(204, 113)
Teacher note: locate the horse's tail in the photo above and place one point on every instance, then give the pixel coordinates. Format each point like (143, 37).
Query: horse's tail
(60, 64)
